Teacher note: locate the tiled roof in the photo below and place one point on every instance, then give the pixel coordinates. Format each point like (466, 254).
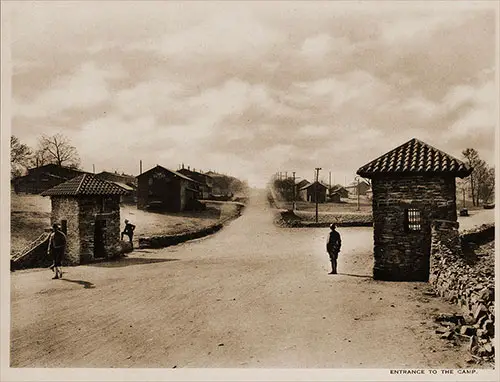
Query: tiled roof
(86, 184)
(414, 157)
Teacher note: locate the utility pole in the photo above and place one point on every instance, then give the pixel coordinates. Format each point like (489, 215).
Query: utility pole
(357, 189)
(316, 191)
(293, 201)
(329, 180)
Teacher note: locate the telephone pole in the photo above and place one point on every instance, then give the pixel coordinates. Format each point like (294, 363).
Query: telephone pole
(293, 201)
(357, 189)
(316, 191)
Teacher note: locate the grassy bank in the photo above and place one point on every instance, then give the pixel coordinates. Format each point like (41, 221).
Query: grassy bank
(30, 215)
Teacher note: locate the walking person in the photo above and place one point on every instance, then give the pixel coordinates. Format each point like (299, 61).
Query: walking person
(56, 249)
(128, 230)
(333, 247)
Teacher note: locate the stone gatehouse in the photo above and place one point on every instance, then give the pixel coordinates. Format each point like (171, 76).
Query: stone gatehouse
(413, 185)
(88, 210)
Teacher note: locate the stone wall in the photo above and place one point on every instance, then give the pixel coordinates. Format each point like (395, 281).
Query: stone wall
(91, 209)
(66, 208)
(465, 281)
(402, 255)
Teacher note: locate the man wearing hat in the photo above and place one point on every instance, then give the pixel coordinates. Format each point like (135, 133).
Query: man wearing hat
(56, 248)
(128, 230)
(333, 247)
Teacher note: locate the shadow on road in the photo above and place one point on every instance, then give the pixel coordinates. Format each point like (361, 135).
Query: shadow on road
(86, 284)
(127, 261)
(350, 274)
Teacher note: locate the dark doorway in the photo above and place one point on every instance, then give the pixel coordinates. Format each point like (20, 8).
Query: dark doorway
(64, 226)
(99, 232)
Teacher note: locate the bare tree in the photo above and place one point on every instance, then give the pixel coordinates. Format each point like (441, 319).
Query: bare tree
(472, 159)
(57, 149)
(19, 156)
(482, 177)
(485, 182)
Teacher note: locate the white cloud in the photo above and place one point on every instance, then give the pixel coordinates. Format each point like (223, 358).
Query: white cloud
(86, 87)
(483, 94)
(355, 88)
(319, 46)
(418, 26)
(236, 35)
(477, 106)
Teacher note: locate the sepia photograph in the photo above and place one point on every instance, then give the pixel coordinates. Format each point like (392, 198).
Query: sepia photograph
(249, 190)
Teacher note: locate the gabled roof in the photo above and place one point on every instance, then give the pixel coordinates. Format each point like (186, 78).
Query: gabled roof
(312, 184)
(414, 157)
(85, 184)
(170, 171)
(302, 181)
(125, 186)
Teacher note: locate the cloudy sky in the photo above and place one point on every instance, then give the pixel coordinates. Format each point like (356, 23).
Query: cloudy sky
(249, 89)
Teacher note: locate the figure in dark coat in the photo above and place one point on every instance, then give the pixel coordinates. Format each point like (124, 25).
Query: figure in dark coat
(333, 247)
(56, 248)
(128, 230)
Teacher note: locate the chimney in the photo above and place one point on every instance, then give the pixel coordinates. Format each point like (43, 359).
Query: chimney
(188, 168)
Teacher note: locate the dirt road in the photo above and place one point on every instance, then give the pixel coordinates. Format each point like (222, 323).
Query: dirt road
(253, 295)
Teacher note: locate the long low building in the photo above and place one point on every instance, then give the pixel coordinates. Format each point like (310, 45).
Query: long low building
(42, 178)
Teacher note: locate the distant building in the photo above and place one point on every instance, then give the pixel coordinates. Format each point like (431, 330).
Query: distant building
(42, 178)
(206, 182)
(358, 189)
(314, 191)
(88, 210)
(127, 182)
(342, 191)
(299, 184)
(163, 189)
(413, 185)
(221, 186)
(334, 197)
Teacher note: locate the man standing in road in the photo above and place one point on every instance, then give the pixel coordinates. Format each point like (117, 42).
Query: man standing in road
(333, 247)
(128, 230)
(56, 248)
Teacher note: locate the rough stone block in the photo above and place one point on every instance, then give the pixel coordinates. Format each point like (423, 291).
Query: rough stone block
(489, 327)
(479, 311)
(467, 330)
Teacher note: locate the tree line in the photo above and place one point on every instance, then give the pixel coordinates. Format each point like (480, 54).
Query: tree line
(56, 149)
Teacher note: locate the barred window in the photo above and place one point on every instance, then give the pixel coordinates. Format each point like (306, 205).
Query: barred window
(413, 221)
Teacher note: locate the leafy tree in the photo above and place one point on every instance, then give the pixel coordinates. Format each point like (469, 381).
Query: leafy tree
(57, 149)
(19, 156)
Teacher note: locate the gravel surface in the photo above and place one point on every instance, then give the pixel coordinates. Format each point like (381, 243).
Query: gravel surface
(252, 295)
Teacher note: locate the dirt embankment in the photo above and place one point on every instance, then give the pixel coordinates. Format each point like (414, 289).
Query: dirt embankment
(229, 211)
